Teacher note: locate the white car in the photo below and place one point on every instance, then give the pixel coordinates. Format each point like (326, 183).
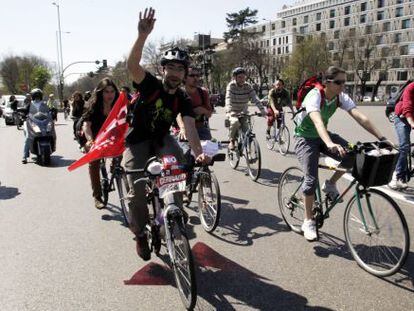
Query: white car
(368, 98)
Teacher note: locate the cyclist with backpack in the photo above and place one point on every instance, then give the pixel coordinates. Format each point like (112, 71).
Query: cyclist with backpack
(403, 123)
(318, 102)
(152, 115)
(278, 98)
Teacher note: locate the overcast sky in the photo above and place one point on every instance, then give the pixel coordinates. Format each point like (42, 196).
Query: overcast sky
(106, 29)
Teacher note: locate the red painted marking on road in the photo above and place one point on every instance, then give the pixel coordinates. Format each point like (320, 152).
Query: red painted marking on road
(152, 274)
(204, 256)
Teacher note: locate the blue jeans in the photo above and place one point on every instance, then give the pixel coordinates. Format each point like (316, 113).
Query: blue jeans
(403, 130)
(26, 149)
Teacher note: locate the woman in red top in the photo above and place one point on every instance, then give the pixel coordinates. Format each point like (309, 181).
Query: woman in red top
(403, 123)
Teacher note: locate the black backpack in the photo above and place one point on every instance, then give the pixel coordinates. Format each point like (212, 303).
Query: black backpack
(390, 107)
(79, 134)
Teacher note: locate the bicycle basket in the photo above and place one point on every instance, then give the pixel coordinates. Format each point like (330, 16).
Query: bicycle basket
(374, 163)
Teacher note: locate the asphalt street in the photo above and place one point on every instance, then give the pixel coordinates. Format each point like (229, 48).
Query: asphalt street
(57, 252)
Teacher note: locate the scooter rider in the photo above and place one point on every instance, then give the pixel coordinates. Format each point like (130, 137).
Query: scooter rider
(36, 105)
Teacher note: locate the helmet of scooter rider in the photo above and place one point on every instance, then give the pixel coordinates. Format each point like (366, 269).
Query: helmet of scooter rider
(175, 55)
(238, 70)
(36, 94)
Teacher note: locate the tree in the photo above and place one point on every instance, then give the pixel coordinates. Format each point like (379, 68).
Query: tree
(310, 57)
(151, 57)
(40, 77)
(9, 71)
(237, 22)
(364, 61)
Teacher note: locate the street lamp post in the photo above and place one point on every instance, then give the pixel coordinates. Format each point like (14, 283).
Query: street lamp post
(270, 44)
(61, 82)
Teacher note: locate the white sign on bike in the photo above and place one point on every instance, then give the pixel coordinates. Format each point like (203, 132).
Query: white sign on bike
(210, 148)
(171, 184)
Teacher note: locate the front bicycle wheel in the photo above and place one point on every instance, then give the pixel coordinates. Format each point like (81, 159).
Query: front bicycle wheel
(270, 138)
(283, 140)
(253, 158)
(104, 183)
(377, 234)
(183, 264)
(234, 157)
(290, 198)
(123, 189)
(209, 201)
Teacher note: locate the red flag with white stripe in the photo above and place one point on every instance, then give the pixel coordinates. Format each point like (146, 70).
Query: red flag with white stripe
(110, 141)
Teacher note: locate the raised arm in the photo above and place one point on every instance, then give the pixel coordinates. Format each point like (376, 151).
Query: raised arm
(145, 26)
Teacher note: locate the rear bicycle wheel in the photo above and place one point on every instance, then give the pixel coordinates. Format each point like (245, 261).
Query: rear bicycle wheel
(209, 201)
(253, 158)
(183, 264)
(283, 140)
(123, 190)
(270, 138)
(104, 183)
(290, 198)
(380, 247)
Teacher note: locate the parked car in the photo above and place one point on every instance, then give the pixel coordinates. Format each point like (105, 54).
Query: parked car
(7, 111)
(367, 98)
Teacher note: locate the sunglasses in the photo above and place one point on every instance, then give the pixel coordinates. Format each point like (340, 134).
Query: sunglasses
(337, 82)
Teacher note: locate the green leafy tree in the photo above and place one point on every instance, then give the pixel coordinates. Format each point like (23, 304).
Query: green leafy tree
(40, 76)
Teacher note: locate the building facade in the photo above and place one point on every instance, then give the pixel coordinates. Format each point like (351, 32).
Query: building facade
(384, 27)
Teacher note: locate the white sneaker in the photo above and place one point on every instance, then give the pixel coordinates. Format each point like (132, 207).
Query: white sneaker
(309, 230)
(331, 190)
(397, 184)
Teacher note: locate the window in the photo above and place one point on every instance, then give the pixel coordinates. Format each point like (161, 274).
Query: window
(386, 26)
(274, 41)
(347, 10)
(263, 28)
(294, 21)
(395, 63)
(380, 15)
(330, 45)
(368, 29)
(318, 16)
(306, 19)
(261, 44)
(278, 50)
(303, 29)
(398, 12)
(363, 6)
(399, 1)
(267, 43)
(336, 34)
(380, 39)
(352, 32)
(331, 24)
(350, 77)
(404, 50)
(287, 39)
(318, 27)
(405, 24)
(380, 3)
(287, 49)
(273, 26)
(397, 37)
(280, 41)
(283, 24)
(346, 21)
(402, 75)
(363, 18)
(283, 40)
(274, 51)
(332, 13)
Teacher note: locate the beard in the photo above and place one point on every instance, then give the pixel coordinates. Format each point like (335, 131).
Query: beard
(172, 84)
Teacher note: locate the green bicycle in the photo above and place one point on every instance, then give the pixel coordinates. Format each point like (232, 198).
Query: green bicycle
(376, 231)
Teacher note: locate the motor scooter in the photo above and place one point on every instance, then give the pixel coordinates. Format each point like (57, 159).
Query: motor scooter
(42, 136)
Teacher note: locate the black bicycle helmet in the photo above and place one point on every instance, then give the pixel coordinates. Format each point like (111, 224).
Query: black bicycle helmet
(238, 70)
(36, 94)
(175, 55)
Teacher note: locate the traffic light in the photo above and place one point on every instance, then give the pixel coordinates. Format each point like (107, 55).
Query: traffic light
(104, 64)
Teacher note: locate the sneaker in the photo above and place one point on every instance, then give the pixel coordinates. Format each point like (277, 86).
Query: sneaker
(24, 160)
(331, 190)
(397, 184)
(309, 230)
(99, 204)
(142, 247)
(268, 134)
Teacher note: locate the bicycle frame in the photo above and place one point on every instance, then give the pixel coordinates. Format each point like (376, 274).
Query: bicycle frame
(359, 191)
(243, 136)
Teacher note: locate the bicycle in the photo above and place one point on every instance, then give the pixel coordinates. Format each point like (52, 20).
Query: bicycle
(118, 176)
(203, 180)
(246, 146)
(280, 136)
(369, 215)
(163, 178)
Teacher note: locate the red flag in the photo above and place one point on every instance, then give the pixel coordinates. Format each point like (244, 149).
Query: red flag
(110, 141)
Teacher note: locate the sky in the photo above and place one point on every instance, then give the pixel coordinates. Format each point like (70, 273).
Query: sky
(106, 29)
